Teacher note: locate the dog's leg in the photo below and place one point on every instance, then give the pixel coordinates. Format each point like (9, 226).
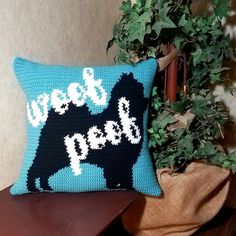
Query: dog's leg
(45, 185)
(119, 180)
(31, 186)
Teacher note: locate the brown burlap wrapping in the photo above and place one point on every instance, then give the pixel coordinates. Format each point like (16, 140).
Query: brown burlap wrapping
(190, 199)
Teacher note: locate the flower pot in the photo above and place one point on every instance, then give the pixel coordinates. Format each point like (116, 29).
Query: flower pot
(190, 199)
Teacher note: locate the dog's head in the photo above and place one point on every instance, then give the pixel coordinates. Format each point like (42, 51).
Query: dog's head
(133, 91)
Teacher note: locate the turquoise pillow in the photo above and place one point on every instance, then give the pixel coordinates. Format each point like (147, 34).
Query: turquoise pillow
(87, 128)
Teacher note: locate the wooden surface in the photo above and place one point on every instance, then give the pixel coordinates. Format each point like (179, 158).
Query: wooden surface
(224, 224)
(58, 214)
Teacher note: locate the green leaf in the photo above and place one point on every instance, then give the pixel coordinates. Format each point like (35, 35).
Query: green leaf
(200, 108)
(216, 32)
(110, 44)
(148, 4)
(187, 144)
(232, 156)
(148, 29)
(122, 57)
(178, 41)
(164, 22)
(134, 15)
(186, 24)
(117, 30)
(122, 44)
(152, 52)
(126, 6)
(209, 149)
(137, 32)
(215, 78)
(197, 55)
(219, 69)
(171, 160)
(221, 8)
(157, 104)
(151, 131)
(204, 92)
(145, 17)
(210, 56)
(179, 132)
(233, 166)
(186, 10)
(169, 119)
(140, 3)
(159, 4)
(183, 21)
(226, 164)
(154, 91)
(181, 105)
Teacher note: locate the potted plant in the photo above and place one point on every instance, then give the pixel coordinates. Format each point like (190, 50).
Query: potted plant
(190, 128)
(186, 120)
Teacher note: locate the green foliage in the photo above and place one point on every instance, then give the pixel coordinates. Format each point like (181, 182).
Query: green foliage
(146, 25)
(220, 7)
(195, 140)
(191, 128)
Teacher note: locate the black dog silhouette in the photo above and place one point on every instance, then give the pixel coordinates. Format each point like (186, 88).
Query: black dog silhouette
(115, 160)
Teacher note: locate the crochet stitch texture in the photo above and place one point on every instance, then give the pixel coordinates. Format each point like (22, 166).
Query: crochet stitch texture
(87, 128)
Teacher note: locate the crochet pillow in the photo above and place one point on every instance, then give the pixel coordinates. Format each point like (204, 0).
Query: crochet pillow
(87, 128)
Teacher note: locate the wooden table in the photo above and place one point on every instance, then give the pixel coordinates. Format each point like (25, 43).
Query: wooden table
(61, 214)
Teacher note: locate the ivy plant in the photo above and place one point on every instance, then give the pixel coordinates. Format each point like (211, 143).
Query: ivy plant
(192, 128)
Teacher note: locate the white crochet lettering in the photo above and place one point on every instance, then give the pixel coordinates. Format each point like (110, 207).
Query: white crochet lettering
(94, 87)
(130, 129)
(72, 152)
(59, 101)
(113, 132)
(96, 138)
(77, 94)
(37, 111)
